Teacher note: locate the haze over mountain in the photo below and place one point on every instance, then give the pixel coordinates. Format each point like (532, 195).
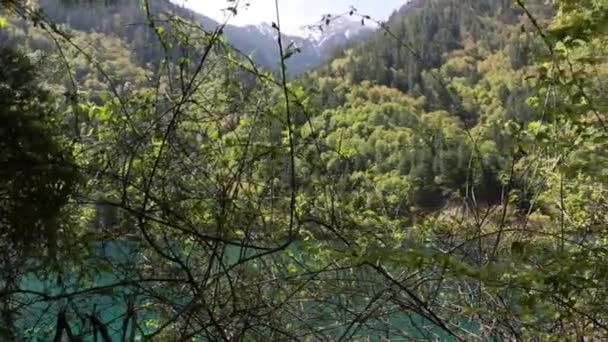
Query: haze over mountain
(295, 14)
(316, 43)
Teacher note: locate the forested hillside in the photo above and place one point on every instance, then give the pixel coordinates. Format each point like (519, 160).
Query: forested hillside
(431, 97)
(170, 180)
(125, 19)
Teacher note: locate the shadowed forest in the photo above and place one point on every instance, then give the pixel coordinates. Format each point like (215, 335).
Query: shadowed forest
(437, 176)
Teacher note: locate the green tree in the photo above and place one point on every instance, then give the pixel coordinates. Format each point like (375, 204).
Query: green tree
(37, 174)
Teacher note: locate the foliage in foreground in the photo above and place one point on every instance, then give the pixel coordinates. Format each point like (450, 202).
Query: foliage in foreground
(450, 191)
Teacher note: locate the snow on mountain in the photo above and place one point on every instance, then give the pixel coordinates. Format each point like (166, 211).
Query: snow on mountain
(316, 42)
(267, 29)
(337, 30)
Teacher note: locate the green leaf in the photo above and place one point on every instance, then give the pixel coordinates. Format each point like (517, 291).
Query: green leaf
(157, 142)
(3, 22)
(534, 126)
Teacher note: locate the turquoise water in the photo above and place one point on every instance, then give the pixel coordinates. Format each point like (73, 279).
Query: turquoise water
(110, 307)
(40, 319)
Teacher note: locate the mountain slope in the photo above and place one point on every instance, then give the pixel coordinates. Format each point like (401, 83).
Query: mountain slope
(317, 43)
(126, 19)
(423, 107)
(451, 37)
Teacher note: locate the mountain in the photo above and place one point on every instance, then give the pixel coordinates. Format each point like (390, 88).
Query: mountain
(125, 19)
(445, 180)
(404, 101)
(336, 32)
(451, 39)
(316, 43)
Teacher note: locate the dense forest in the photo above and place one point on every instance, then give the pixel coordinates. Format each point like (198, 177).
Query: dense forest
(165, 178)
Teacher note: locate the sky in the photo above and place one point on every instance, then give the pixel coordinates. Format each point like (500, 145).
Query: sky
(294, 13)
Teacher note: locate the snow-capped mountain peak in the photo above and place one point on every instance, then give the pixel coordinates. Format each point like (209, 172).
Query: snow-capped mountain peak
(267, 29)
(341, 28)
(314, 43)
